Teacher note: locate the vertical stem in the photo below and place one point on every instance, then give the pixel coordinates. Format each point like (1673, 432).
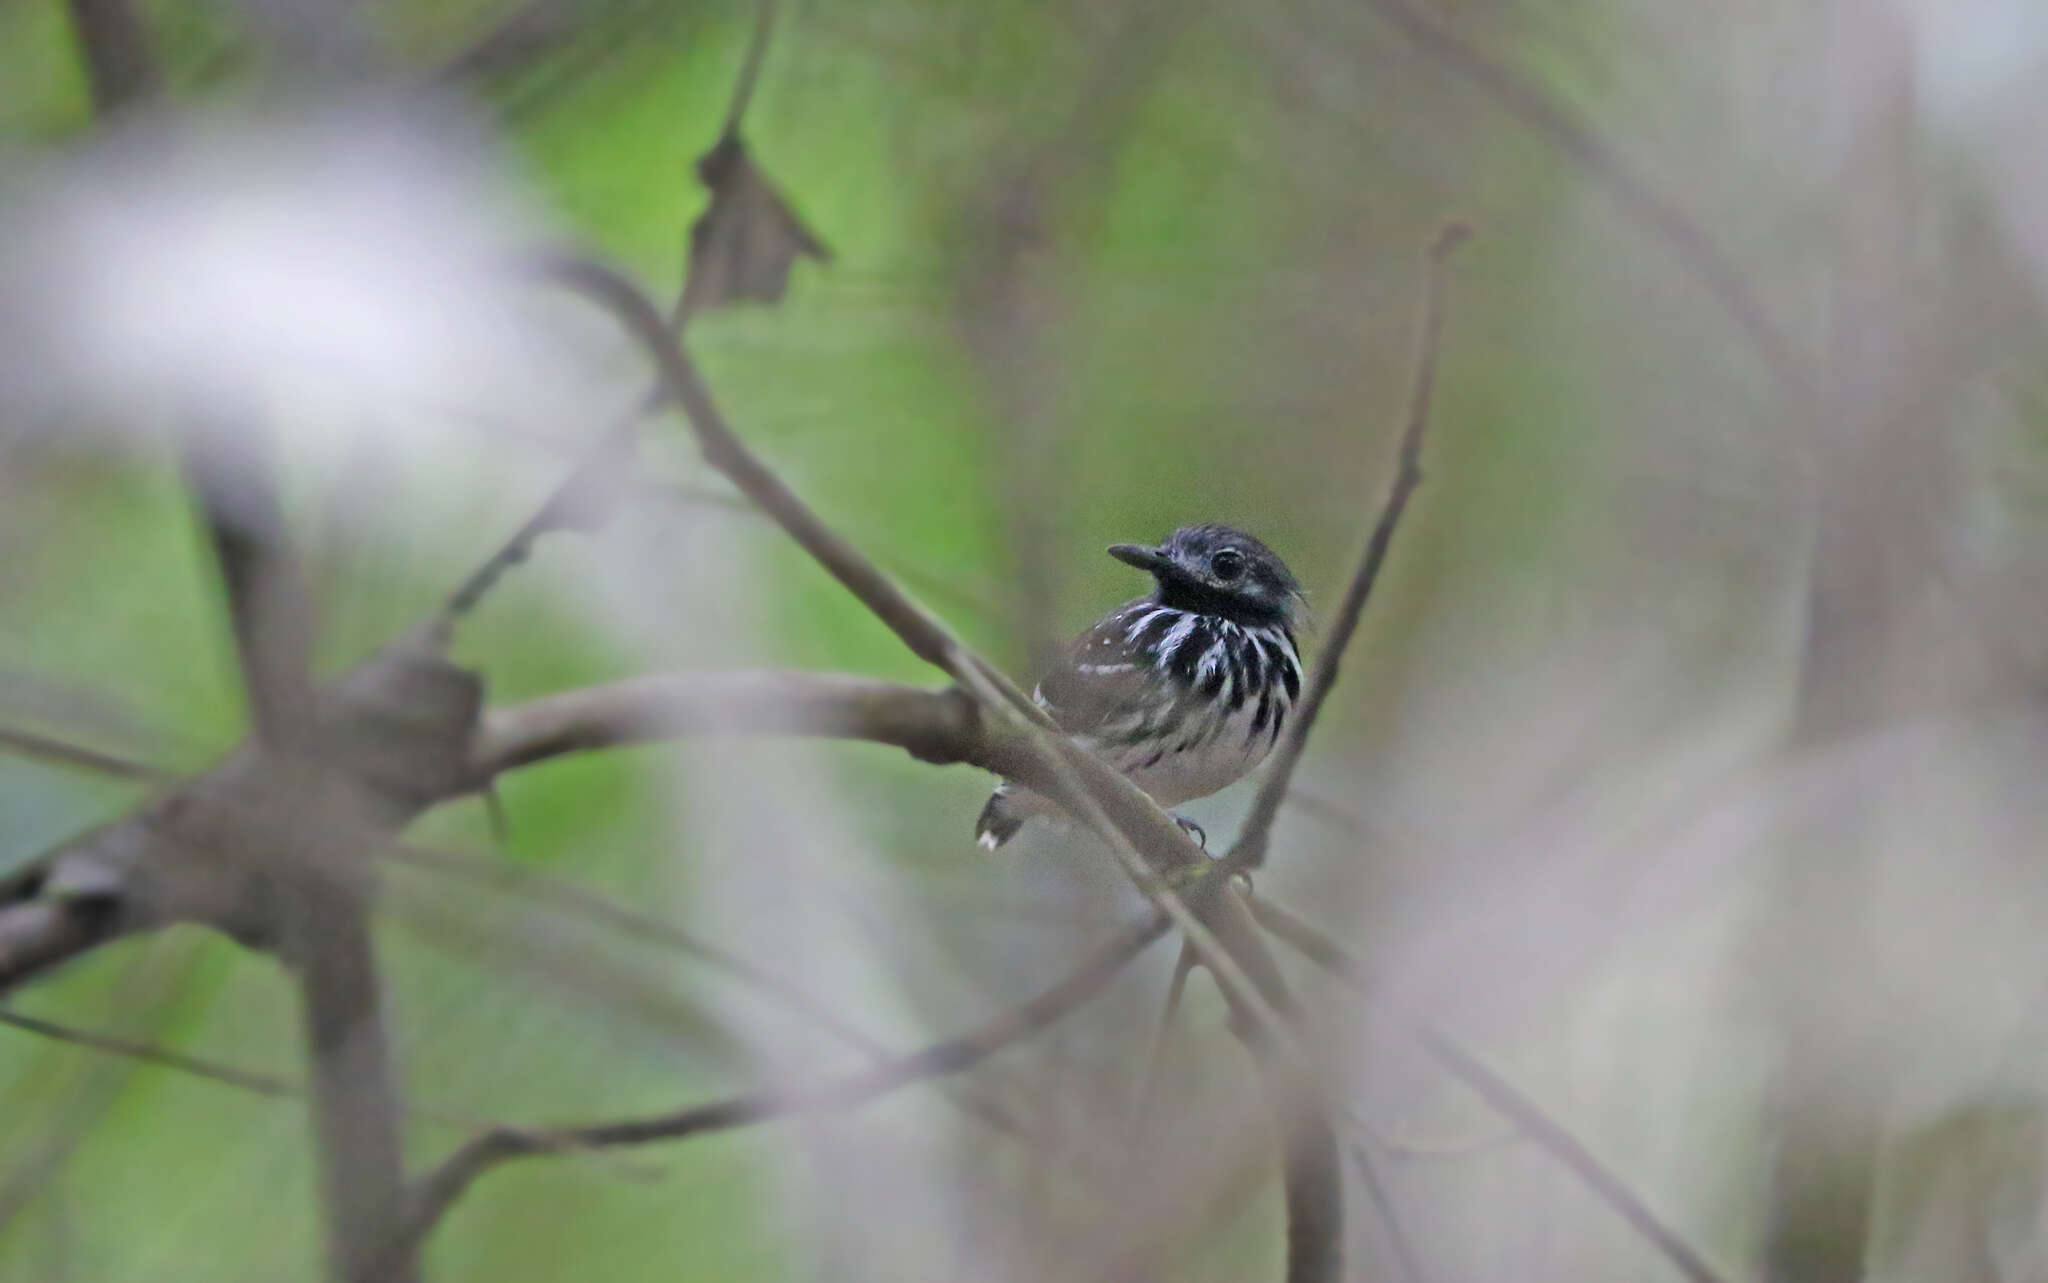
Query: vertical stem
(355, 1103)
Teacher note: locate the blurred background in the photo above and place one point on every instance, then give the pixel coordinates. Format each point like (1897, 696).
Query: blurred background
(1687, 766)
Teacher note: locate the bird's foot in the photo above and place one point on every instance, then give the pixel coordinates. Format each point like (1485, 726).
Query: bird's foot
(1194, 831)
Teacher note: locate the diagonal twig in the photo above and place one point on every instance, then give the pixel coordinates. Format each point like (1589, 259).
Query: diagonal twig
(441, 1188)
(920, 630)
(49, 749)
(644, 926)
(253, 1082)
(1505, 1097)
(1155, 1063)
(247, 1080)
(750, 69)
(1249, 852)
(1403, 1251)
(572, 502)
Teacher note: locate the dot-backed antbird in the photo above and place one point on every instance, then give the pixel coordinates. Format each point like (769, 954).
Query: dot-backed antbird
(1184, 691)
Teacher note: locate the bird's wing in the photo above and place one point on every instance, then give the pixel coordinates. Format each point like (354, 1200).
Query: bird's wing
(1099, 680)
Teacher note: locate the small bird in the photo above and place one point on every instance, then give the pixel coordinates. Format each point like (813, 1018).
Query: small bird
(1184, 691)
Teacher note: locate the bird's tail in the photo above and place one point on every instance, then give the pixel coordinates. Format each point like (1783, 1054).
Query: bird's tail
(1000, 819)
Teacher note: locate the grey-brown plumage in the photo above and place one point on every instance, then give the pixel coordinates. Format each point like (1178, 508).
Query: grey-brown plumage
(1184, 691)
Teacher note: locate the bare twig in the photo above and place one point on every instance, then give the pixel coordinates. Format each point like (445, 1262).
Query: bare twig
(65, 1118)
(939, 726)
(1249, 852)
(1155, 1064)
(750, 69)
(1503, 1135)
(1403, 1251)
(927, 638)
(149, 1053)
(269, 1086)
(1504, 1097)
(447, 1183)
(526, 882)
(569, 506)
(31, 744)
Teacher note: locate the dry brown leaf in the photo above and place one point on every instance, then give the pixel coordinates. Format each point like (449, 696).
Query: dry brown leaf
(742, 247)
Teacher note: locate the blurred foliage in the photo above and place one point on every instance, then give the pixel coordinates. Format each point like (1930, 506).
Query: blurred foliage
(1202, 312)
(1229, 270)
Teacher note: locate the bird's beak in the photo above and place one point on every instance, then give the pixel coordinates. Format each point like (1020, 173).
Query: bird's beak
(1142, 557)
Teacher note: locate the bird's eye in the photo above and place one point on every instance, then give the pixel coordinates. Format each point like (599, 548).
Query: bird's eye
(1227, 565)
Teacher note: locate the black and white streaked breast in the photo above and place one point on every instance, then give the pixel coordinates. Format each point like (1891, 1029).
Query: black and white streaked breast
(1182, 702)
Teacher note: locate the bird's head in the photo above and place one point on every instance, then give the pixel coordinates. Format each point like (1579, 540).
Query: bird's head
(1217, 570)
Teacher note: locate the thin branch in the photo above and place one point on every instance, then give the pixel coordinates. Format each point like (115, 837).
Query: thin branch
(750, 69)
(1504, 1135)
(567, 507)
(1504, 1097)
(448, 1182)
(938, 726)
(269, 1086)
(213, 1071)
(1249, 852)
(526, 882)
(572, 502)
(1155, 1064)
(920, 630)
(1408, 1264)
(31, 744)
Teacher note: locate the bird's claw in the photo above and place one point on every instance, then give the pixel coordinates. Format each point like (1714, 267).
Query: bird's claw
(1194, 831)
